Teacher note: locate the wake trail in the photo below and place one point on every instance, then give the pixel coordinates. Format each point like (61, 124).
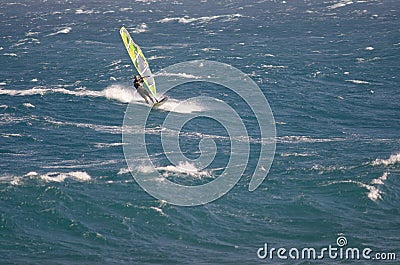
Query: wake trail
(118, 92)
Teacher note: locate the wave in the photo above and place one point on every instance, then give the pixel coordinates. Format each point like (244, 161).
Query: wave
(85, 12)
(80, 176)
(374, 191)
(182, 75)
(205, 19)
(65, 30)
(306, 139)
(185, 168)
(97, 127)
(117, 92)
(42, 91)
(393, 159)
(355, 81)
(28, 105)
(341, 4)
(10, 54)
(140, 29)
(295, 154)
(107, 145)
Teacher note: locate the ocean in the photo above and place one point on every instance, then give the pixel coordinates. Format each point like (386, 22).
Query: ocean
(70, 193)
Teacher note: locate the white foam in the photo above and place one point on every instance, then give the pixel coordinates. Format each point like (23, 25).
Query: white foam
(3, 83)
(269, 66)
(31, 174)
(28, 105)
(65, 30)
(8, 135)
(86, 12)
(184, 168)
(155, 57)
(340, 4)
(181, 107)
(106, 145)
(208, 49)
(10, 54)
(187, 19)
(80, 176)
(61, 177)
(355, 81)
(123, 171)
(125, 9)
(97, 127)
(369, 48)
(374, 193)
(120, 93)
(31, 33)
(306, 139)
(43, 90)
(296, 154)
(183, 75)
(159, 210)
(381, 180)
(115, 92)
(140, 28)
(393, 159)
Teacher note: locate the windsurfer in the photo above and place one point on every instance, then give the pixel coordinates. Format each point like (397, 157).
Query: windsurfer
(138, 83)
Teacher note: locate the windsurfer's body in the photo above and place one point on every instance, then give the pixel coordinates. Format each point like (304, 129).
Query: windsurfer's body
(138, 83)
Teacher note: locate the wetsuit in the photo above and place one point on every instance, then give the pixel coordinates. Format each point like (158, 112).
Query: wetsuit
(138, 83)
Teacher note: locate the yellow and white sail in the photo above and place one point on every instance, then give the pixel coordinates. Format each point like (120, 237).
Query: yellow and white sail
(139, 61)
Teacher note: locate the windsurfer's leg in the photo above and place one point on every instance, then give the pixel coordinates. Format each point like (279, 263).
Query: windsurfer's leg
(143, 94)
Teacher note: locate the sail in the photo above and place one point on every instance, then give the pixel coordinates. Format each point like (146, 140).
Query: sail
(139, 61)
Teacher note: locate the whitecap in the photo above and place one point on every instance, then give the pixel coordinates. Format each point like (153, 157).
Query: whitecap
(80, 176)
(10, 54)
(28, 105)
(65, 30)
(107, 145)
(355, 81)
(374, 193)
(97, 127)
(340, 4)
(8, 135)
(185, 168)
(182, 75)
(208, 49)
(140, 28)
(393, 159)
(381, 180)
(123, 171)
(187, 19)
(61, 177)
(86, 12)
(305, 139)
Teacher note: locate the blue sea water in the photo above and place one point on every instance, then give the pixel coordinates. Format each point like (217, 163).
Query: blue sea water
(329, 70)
